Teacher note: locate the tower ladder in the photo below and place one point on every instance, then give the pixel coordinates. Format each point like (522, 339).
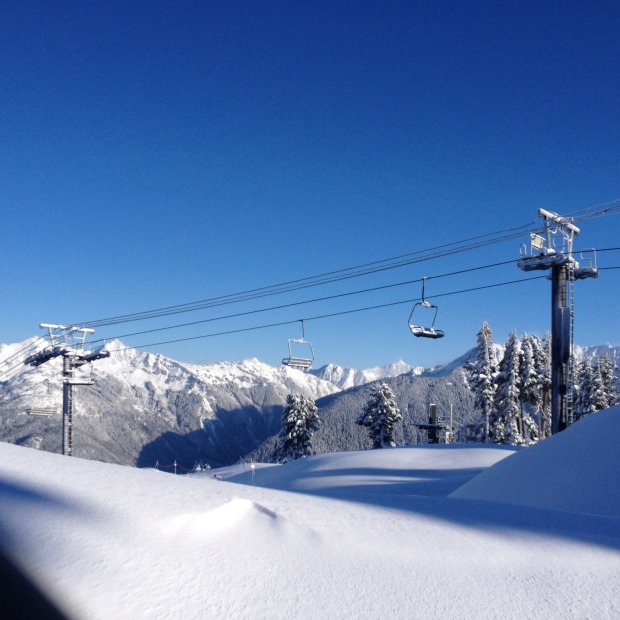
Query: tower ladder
(570, 303)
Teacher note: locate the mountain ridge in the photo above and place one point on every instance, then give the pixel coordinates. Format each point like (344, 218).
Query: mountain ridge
(145, 408)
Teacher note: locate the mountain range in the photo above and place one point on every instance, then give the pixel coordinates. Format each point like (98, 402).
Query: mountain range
(148, 410)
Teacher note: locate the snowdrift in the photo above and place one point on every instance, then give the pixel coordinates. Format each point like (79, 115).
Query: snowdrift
(375, 534)
(577, 471)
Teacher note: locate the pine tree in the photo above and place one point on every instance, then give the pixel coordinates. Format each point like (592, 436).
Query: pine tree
(541, 351)
(481, 373)
(584, 404)
(598, 393)
(608, 370)
(506, 422)
(381, 416)
(530, 387)
(300, 420)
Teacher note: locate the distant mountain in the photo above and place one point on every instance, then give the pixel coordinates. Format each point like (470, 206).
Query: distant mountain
(593, 352)
(144, 408)
(346, 378)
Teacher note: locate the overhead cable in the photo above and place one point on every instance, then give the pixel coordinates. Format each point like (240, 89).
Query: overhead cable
(323, 316)
(300, 303)
(319, 280)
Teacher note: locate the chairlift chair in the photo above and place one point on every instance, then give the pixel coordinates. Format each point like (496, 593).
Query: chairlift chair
(295, 361)
(419, 330)
(589, 269)
(41, 411)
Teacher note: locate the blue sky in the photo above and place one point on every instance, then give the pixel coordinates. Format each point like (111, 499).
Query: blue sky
(159, 153)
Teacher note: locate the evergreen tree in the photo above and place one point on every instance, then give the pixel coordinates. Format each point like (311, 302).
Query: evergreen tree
(608, 370)
(506, 422)
(381, 416)
(300, 420)
(481, 374)
(598, 393)
(584, 404)
(541, 350)
(530, 390)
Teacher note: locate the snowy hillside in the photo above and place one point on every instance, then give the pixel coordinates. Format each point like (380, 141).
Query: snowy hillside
(594, 352)
(144, 408)
(402, 533)
(590, 471)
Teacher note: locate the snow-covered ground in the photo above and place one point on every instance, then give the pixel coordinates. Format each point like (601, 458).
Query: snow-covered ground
(420, 532)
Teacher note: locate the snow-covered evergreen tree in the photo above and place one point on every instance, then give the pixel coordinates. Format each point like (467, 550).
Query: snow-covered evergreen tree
(584, 402)
(541, 351)
(530, 391)
(381, 416)
(598, 393)
(300, 420)
(506, 422)
(481, 375)
(609, 376)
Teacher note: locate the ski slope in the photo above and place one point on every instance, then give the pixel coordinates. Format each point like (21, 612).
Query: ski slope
(419, 532)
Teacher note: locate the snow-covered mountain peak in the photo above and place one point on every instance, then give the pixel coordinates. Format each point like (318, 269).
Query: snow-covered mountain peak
(346, 378)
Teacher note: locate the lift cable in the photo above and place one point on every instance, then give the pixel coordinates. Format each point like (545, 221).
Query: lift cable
(300, 303)
(325, 316)
(307, 301)
(313, 318)
(321, 279)
(602, 210)
(14, 362)
(24, 350)
(28, 390)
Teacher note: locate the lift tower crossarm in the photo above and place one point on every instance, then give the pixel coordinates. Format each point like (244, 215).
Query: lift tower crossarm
(558, 219)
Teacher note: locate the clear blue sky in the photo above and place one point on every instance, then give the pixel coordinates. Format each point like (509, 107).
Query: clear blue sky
(158, 153)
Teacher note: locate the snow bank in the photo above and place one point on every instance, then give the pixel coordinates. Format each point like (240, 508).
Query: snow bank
(351, 535)
(577, 471)
(406, 471)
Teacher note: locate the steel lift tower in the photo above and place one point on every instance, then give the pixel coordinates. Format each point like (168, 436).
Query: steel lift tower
(67, 341)
(553, 250)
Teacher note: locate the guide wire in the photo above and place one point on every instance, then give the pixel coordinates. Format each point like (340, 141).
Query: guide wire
(602, 210)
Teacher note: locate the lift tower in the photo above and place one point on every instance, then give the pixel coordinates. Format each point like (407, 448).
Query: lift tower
(553, 250)
(67, 341)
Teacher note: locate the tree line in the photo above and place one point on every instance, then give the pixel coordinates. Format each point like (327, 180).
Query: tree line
(513, 394)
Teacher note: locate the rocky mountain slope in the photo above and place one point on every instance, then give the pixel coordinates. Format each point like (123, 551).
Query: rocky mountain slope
(143, 408)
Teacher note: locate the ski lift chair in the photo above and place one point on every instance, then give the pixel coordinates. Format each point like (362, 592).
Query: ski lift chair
(295, 361)
(419, 330)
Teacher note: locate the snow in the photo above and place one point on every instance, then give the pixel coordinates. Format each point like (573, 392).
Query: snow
(591, 475)
(417, 532)
(346, 378)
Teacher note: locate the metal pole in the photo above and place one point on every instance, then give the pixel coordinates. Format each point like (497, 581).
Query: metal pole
(560, 348)
(67, 405)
